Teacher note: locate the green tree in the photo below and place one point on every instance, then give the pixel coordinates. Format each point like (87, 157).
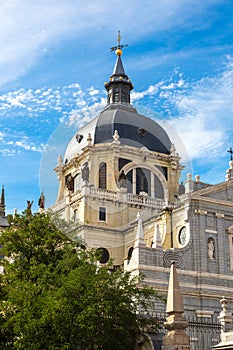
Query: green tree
(53, 296)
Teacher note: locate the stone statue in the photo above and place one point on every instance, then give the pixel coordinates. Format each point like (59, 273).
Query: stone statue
(85, 172)
(29, 207)
(211, 249)
(41, 201)
(70, 183)
(122, 179)
(116, 137)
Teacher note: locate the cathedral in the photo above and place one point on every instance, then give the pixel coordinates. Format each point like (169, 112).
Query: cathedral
(119, 183)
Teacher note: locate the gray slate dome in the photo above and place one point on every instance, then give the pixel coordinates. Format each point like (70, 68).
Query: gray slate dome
(133, 128)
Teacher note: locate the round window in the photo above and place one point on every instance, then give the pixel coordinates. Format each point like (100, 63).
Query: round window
(103, 255)
(182, 236)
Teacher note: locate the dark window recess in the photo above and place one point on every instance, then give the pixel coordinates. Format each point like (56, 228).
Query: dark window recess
(163, 170)
(141, 132)
(122, 162)
(75, 215)
(103, 255)
(123, 97)
(116, 95)
(130, 253)
(102, 214)
(103, 175)
(129, 181)
(159, 192)
(79, 138)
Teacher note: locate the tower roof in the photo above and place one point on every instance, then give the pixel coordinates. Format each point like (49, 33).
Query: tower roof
(118, 69)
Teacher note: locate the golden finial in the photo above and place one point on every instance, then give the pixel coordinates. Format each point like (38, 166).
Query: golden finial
(119, 47)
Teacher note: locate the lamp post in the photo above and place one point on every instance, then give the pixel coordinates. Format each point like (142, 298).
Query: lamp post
(168, 207)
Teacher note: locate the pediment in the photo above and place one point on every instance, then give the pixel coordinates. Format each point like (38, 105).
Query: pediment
(222, 192)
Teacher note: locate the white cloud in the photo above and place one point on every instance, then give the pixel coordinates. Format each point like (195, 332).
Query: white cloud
(201, 110)
(29, 30)
(28, 146)
(206, 111)
(33, 102)
(159, 87)
(93, 91)
(82, 116)
(12, 145)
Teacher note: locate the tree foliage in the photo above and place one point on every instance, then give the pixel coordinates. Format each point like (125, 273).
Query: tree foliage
(54, 296)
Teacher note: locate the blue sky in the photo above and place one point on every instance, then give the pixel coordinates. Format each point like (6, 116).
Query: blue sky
(55, 58)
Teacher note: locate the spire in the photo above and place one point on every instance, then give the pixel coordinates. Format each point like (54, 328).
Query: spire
(176, 338)
(118, 69)
(2, 203)
(139, 234)
(174, 298)
(119, 85)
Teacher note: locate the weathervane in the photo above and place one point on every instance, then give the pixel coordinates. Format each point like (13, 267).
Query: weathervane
(119, 47)
(231, 152)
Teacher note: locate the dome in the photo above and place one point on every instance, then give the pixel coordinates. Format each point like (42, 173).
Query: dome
(133, 128)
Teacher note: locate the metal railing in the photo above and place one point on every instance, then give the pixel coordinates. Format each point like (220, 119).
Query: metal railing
(204, 332)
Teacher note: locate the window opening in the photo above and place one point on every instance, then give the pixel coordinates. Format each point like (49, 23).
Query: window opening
(103, 175)
(102, 214)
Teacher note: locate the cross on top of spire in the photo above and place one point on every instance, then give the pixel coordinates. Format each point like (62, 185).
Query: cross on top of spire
(231, 153)
(119, 47)
(119, 38)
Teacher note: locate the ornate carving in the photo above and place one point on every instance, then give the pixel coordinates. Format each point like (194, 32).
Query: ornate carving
(170, 256)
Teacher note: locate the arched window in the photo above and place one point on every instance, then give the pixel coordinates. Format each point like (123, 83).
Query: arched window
(144, 180)
(130, 253)
(103, 175)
